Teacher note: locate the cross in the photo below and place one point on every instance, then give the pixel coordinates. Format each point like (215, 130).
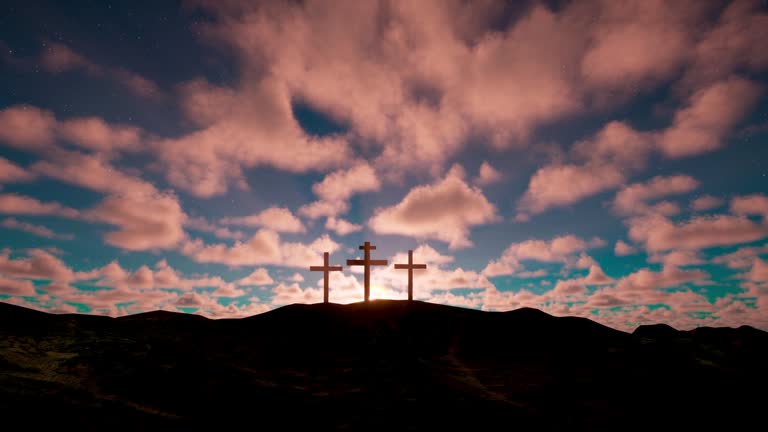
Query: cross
(326, 269)
(367, 262)
(410, 267)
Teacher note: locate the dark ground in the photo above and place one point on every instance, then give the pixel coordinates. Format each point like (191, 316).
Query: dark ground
(388, 365)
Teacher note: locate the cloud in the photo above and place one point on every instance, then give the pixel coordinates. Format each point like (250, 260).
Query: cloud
(756, 204)
(742, 257)
(274, 218)
(341, 227)
(560, 185)
(734, 43)
(39, 264)
(258, 277)
(645, 279)
(200, 224)
(145, 217)
(16, 287)
(208, 160)
(659, 34)
(337, 187)
(144, 221)
(57, 58)
(443, 211)
(27, 127)
(677, 258)
(487, 175)
(296, 277)
(633, 199)
(710, 114)
(706, 202)
(603, 162)
(93, 133)
(37, 230)
(265, 247)
(657, 233)
(623, 249)
(163, 276)
(11, 173)
(23, 205)
(576, 289)
(567, 249)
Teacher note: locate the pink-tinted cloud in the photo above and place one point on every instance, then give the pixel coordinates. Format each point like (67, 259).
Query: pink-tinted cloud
(677, 258)
(742, 257)
(710, 114)
(278, 219)
(560, 185)
(659, 35)
(443, 211)
(706, 202)
(567, 249)
(200, 224)
(265, 247)
(95, 134)
(37, 230)
(645, 279)
(143, 221)
(57, 58)
(91, 171)
(622, 248)
(258, 277)
(11, 173)
(756, 204)
(24, 205)
(207, 161)
(145, 217)
(341, 227)
(633, 199)
(735, 43)
(16, 287)
(26, 127)
(658, 233)
(487, 175)
(39, 264)
(336, 189)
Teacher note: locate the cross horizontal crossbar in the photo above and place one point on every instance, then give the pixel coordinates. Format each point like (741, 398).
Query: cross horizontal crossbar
(326, 268)
(410, 266)
(364, 262)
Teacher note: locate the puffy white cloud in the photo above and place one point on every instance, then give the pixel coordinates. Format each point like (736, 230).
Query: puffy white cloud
(265, 247)
(37, 230)
(10, 172)
(567, 249)
(487, 175)
(443, 211)
(258, 277)
(633, 199)
(278, 219)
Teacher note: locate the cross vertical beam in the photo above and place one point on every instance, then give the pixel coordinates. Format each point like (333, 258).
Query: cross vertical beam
(410, 267)
(326, 269)
(366, 262)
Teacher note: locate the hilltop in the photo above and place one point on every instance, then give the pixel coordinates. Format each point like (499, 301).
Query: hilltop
(384, 365)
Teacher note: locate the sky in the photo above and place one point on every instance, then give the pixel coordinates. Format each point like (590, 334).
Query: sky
(588, 158)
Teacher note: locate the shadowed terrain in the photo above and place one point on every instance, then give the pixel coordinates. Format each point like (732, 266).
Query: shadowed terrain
(387, 365)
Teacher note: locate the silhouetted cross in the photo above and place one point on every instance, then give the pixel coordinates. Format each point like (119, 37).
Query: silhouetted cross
(326, 269)
(410, 267)
(367, 262)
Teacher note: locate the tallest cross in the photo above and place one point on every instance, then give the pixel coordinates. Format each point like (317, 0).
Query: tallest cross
(367, 262)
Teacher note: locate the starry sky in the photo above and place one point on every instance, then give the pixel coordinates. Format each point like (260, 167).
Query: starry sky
(590, 158)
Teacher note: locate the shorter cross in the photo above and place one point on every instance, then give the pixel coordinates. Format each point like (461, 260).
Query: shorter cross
(410, 267)
(326, 269)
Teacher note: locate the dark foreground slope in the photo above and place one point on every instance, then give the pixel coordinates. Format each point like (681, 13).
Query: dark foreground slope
(387, 365)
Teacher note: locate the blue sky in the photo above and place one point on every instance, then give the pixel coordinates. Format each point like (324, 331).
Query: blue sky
(578, 157)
